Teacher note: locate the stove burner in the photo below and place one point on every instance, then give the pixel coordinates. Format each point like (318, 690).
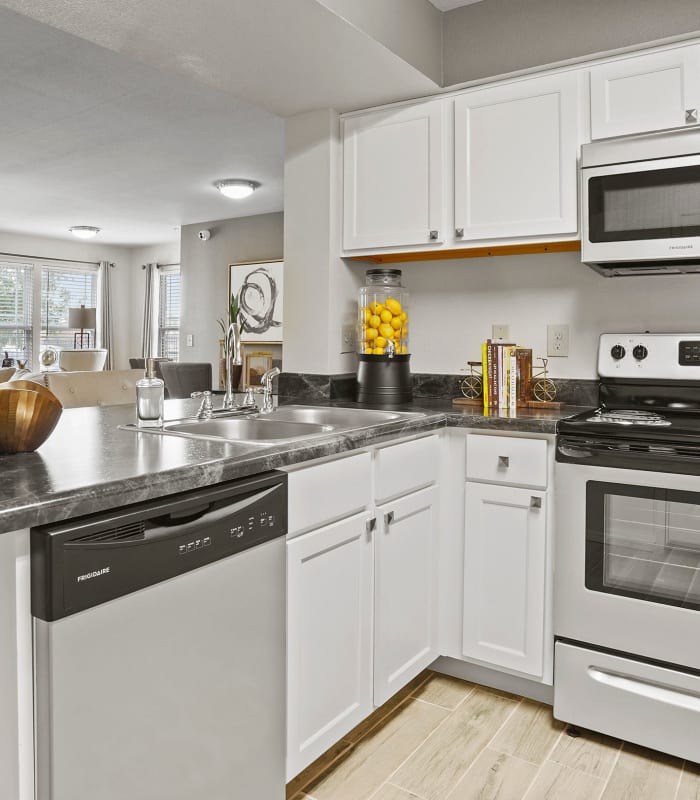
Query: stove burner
(630, 417)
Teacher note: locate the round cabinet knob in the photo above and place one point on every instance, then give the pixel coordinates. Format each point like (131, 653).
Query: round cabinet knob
(640, 352)
(617, 352)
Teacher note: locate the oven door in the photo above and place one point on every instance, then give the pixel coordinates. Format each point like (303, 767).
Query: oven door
(627, 557)
(642, 211)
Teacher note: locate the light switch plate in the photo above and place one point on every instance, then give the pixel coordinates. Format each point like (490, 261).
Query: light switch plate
(500, 331)
(347, 339)
(557, 340)
(190, 340)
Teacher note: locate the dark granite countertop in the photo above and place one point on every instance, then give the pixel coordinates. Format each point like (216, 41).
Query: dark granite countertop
(88, 464)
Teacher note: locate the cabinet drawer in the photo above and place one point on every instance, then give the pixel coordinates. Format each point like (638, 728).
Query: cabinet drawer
(403, 468)
(508, 460)
(653, 706)
(329, 491)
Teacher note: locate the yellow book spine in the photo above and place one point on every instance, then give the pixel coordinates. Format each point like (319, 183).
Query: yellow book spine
(484, 374)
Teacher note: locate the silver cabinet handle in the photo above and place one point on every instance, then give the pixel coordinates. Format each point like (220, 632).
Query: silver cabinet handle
(691, 116)
(459, 232)
(434, 235)
(535, 502)
(389, 518)
(504, 461)
(370, 525)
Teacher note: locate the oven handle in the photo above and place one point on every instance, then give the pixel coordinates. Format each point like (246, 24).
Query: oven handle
(646, 688)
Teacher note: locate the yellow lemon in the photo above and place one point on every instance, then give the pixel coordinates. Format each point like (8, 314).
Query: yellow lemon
(404, 350)
(404, 332)
(404, 316)
(396, 323)
(386, 315)
(393, 305)
(380, 341)
(365, 314)
(374, 321)
(375, 307)
(368, 351)
(371, 334)
(378, 351)
(386, 330)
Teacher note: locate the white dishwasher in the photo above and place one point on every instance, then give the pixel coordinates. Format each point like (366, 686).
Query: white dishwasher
(159, 648)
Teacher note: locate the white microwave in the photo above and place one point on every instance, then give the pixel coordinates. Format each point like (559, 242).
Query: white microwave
(641, 204)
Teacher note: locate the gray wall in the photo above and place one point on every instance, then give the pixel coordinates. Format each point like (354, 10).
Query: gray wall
(410, 28)
(496, 37)
(204, 270)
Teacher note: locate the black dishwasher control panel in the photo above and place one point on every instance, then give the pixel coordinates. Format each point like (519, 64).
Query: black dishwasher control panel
(79, 564)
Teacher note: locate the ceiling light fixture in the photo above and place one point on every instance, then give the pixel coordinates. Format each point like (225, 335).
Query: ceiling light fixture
(84, 231)
(236, 188)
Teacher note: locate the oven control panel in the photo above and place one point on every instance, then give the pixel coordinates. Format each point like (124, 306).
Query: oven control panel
(649, 356)
(689, 353)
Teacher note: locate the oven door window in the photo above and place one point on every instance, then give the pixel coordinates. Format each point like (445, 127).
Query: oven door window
(633, 206)
(643, 542)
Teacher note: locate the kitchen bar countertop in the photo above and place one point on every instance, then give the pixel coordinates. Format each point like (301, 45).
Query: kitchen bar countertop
(88, 464)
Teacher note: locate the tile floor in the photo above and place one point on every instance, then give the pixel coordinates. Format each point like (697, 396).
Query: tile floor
(445, 739)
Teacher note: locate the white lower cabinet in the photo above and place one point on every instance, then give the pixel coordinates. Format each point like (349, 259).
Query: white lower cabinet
(405, 603)
(505, 553)
(329, 637)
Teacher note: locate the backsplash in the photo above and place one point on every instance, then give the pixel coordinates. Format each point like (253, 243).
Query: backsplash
(304, 388)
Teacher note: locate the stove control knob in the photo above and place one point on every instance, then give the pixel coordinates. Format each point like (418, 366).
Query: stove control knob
(617, 352)
(640, 352)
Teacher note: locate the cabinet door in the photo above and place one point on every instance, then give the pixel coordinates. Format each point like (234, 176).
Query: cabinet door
(393, 177)
(515, 159)
(405, 605)
(504, 576)
(329, 637)
(646, 93)
(16, 678)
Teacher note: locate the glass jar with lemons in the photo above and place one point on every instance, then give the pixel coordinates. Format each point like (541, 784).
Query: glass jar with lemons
(383, 314)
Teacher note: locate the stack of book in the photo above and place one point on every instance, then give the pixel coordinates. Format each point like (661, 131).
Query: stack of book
(507, 372)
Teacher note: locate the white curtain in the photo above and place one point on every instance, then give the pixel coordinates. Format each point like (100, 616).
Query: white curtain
(106, 328)
(149, 304)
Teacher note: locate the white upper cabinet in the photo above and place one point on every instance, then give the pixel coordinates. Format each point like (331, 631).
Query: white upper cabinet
(393, 175)
(646, 93)
(516, 147)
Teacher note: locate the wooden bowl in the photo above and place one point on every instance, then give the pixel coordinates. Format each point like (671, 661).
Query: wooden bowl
(28, 414)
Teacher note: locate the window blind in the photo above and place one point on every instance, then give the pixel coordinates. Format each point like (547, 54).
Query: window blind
(169, 312)
(16, 310)
(63, 288)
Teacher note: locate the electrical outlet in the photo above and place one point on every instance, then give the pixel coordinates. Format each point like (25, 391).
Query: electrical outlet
(557, 340)
(347, 339)
(500, 331)
(190, 340)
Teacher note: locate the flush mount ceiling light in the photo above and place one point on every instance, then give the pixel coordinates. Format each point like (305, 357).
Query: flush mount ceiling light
(84, 231)
(236, 188)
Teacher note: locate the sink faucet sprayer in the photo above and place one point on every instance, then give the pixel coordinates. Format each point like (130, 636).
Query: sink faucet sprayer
(266, 381)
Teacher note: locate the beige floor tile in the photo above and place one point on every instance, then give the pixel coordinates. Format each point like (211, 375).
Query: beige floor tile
(322, 764)
(642, 774)
(495, 776)
(442, 690)
(390, 792)
(383, 711)
(436, 767)
(530, 733)
(373, 759)
(557, 782)
(690, 783)
(590, 752)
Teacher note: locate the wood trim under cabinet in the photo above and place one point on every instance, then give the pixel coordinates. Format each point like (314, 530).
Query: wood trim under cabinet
(472, 252)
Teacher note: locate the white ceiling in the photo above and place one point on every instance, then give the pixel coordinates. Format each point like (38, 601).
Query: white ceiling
(126, 124)
(448, 5)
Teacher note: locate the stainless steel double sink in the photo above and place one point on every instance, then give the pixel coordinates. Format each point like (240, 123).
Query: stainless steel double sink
(285, 424)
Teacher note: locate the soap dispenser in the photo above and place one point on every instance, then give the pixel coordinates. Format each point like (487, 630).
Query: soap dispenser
(150, 393)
